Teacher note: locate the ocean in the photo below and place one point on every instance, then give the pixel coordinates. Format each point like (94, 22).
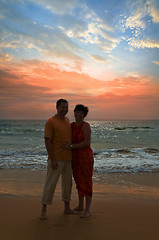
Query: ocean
(118, 146)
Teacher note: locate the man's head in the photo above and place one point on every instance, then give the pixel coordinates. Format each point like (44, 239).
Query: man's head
(62, 107)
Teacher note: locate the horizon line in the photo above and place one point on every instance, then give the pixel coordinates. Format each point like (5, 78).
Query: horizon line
(121, 119)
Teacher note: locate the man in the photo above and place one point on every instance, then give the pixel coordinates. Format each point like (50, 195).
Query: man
(58, 131)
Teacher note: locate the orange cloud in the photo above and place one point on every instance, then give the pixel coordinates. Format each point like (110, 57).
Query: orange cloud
(30, 89)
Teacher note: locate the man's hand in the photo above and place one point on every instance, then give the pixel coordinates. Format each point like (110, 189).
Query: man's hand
(66, 146)
(54, 164)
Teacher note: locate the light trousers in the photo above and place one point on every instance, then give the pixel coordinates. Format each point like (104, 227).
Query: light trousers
(65, 171)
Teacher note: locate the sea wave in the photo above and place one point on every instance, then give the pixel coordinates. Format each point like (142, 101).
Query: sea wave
(132, 128)
(118, 146)
(19, 131)
(127, 160)
(107, 160)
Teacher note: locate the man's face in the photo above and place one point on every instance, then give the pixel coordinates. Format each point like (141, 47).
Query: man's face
(62, 109)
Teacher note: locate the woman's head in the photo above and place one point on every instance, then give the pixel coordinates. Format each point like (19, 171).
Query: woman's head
(81, 108)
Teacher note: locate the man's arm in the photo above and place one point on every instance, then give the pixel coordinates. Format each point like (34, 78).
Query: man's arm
(48, 146)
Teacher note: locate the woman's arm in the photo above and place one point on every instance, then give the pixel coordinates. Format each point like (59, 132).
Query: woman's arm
(87, 137)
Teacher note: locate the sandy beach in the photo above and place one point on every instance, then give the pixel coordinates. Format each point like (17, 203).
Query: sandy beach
(124, 206)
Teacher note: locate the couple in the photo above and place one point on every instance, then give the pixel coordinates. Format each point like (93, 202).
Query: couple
(68, 147)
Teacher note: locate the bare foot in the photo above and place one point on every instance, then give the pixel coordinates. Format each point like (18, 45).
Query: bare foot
(69, 211)
(43, 215)
(78, 209)
(85, 215)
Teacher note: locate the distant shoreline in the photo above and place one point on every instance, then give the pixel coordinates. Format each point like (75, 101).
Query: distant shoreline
(72, 119)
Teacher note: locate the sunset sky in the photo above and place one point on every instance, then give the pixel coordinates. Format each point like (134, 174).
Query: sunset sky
(100, 53)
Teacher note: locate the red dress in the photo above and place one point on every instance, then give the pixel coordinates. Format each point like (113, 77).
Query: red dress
(82, 162)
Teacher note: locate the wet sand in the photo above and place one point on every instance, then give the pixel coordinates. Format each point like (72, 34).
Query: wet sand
(124, 206)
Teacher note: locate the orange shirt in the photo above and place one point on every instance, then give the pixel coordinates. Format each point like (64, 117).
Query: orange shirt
(59, 131)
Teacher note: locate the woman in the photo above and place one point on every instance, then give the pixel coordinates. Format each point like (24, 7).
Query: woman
(82, 158)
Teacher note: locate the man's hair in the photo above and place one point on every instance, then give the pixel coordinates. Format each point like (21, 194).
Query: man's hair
(82, 108)
(60, 101)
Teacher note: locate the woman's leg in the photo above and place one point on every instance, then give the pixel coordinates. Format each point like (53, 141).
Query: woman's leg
(87, 207)
(80, 203)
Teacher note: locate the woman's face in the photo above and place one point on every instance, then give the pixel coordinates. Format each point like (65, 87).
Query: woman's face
(79, 115)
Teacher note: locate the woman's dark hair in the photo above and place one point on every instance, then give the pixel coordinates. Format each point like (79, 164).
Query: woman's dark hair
(80, 107)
